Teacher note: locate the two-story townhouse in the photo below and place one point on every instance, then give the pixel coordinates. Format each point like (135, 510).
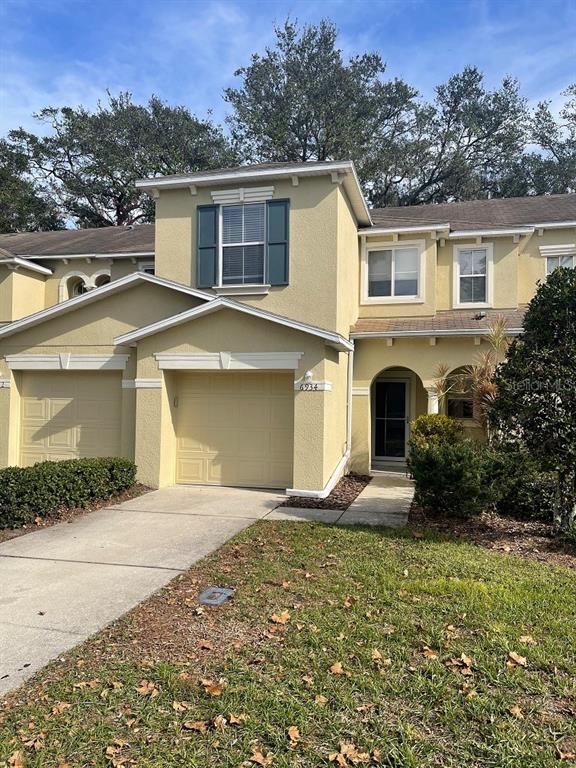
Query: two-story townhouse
(288, 333)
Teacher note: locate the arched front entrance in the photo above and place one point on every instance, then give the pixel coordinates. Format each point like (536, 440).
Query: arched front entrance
(397, 396)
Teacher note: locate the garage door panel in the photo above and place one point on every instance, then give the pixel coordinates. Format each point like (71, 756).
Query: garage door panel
(235, 428)
(66, 415)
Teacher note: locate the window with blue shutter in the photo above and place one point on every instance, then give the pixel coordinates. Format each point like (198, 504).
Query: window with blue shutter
(277, 242)
(250, 249)
(207, 251)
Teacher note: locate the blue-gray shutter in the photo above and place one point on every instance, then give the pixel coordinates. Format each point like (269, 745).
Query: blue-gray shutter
(277, 241)
(207, 250)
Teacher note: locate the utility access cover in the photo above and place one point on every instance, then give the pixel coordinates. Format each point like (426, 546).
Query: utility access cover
(216, 595)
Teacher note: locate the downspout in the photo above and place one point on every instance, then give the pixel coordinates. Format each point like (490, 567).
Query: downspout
(348, 450)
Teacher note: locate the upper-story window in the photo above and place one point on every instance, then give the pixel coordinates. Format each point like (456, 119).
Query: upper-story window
(473, 275)
(147, 267)
(553, 262)
(243, 247)
(243, 240)
(394, 273)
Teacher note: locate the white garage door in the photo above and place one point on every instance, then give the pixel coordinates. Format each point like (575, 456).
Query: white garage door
(66, 415)
(235, 429)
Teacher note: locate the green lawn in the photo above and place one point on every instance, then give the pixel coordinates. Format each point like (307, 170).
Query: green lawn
(397, 651)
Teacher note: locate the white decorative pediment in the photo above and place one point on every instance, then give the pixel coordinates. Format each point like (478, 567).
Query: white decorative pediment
(228, 361)
(242, 195)
(67, 362)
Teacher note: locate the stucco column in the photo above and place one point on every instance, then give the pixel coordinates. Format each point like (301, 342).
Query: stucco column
(309, 449)
(433, 400)
(360, 459)
(154, 438)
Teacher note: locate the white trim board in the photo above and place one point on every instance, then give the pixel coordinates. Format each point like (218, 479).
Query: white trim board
(141, 383)
(17, 262)
(330, 337)
(67, 362)
(95, 295)
(228, 361)
(242, 195)
(334, 477)
(4, 383)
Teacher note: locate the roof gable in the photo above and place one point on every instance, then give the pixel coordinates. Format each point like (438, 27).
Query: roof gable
(136, 278)
(330, 337)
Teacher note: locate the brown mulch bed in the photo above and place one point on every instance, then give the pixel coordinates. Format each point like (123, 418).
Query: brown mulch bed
(344, 493)
(67, 515)
(530, 539)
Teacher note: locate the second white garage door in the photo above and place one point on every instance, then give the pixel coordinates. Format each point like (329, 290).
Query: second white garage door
(68, 415)
(235, 429)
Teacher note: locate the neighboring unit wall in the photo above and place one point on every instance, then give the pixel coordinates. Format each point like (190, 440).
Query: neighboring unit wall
(21, 293)
(532, 265)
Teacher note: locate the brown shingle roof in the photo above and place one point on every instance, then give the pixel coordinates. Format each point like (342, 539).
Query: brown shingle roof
(69, 242)
(493, 214)
(449, 321)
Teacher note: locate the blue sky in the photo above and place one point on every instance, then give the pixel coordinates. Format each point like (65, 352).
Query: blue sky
(68, 52)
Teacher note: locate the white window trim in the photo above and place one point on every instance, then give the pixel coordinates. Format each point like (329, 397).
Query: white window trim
(367, 248)
(89, 282)
(457, 304)
(242, 288)
(556, 252)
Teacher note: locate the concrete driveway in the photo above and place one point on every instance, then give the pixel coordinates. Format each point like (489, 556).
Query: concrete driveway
(60, 585)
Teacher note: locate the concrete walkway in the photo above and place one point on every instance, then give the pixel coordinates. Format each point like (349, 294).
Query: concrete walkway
(62, 584)
(384, 501)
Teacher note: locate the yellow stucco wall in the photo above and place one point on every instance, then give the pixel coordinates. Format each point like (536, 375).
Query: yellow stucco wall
(312, 294)
(420, 362)
(315, 457)
(21, 293)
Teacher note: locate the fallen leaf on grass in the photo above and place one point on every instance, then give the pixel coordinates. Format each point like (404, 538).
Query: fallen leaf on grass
(515, 660)
(320, 700)
(349, 753)
(349, 601)
(60, 707)
(259, 758)
(237, 719)
(35, 742)
(219, 722)
(86, 684)
(527, 640)
(566, 752)
(147, 688)
(293, 735)
(336, 668)
(16, 759)
(307, 680)
(180, 706)
(280, 618)
(198, 725)
(429, 653)
(211, 687)
(205, 645)
(516, 710)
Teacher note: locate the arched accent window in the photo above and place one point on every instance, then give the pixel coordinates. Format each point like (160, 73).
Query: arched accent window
(100, 278)
(73, 284)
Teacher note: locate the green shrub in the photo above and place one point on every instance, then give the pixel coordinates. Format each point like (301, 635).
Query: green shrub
(435, 429)
(521, 488)
(452, 478)
(46, 487)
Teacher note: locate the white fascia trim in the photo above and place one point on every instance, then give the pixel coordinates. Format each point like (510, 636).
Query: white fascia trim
(174, 182)
(555, 225)
(4, 383)
(95, 295)
(401, 230)
(409, 334)
(334, 477)
(334, 339)
(464, 233)
(18, 261)
(345, 167)
(360, 391)
(228, 361)
(67, 362)
(123, 255)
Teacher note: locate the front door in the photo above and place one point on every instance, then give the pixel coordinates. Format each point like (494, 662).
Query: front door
(390, 420)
